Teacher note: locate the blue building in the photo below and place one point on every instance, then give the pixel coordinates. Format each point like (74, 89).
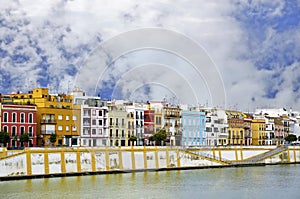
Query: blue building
(193, 128)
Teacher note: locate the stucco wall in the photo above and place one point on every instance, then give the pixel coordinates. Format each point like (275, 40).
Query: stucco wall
(39, 161)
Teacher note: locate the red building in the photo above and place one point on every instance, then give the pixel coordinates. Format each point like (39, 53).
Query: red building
(17, 120)
(148, 124)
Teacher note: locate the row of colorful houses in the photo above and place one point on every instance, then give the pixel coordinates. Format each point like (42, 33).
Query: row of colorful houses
(80, 120)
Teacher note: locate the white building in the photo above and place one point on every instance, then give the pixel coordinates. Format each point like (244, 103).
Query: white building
(216, 127)
(94, 115)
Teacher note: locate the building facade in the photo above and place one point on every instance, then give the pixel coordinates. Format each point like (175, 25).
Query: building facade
(117, 119)
(149, 125)
(55, 114)
(18, 120)
(236, 127)
(258, 130)
(216, 127)
(193, 128)
(172, 125)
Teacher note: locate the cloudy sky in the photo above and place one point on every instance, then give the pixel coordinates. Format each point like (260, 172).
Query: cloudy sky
(252, 47)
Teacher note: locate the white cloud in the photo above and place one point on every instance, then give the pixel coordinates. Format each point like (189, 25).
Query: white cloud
(210, 23)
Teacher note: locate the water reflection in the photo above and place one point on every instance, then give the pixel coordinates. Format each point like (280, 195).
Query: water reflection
(246, 182)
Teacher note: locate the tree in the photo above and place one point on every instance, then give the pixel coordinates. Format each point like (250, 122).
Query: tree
(298, 138)
(53, 137)
(24, 138)
(290, 138)
(4, 137)
(133, 138)
(151, 138)
(161, 135)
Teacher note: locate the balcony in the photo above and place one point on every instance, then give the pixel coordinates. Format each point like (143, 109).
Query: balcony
(172, 116)
(47, 132)
(48, 121)
(178, 125)
(168, 124)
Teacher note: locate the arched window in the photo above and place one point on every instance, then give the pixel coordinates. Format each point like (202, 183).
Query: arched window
(14, 131)
(5, 117)
(22, 120)
(5, 129)
(22, 130)
(30, 133)
(30, 118)
(14, 117)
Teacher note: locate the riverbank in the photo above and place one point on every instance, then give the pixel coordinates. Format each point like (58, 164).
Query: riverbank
(59, 162)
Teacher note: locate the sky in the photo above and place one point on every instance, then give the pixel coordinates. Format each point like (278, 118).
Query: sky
(235, 54)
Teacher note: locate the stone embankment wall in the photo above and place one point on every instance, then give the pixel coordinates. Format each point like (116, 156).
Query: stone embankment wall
(47, 161)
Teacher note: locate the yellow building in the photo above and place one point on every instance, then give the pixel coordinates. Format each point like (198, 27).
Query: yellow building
(130, 127)
(117, 119)
(258, 132)
(56, 114)
(236, 131)
(172, 125)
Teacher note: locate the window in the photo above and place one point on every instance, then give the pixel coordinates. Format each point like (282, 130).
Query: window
(30, 131)
(208, 129)
(123, 134)
(22, 130)
(5, 129)
(13, 131)
(94, 131)
(74, 128)
(59, 117)
(5, 115)
(110, 133)
(100, 131)
(59, 128)
(100, 122)
(30, 118)
(14, 117)
(86, 131)
(117, 133)
(67, 117)
(22, 118)
(67, 128)
(86, 112)
(100, 112)
(94, 112)
(93, 122)
(74, 118)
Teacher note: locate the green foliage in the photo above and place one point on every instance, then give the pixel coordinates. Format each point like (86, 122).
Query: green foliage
(151, 138)
(53, 138)
(4, 137)
(291, 138)
(24, 137)
(298, 138)
(133, 138)
(161, 135)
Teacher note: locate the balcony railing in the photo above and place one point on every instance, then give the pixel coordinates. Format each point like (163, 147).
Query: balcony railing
(47, 132)
(48, 121)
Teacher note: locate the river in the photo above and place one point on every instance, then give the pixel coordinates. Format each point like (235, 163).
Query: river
(277, 181)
